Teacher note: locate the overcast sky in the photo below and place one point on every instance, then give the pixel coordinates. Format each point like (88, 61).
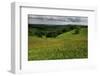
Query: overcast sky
(57, 20)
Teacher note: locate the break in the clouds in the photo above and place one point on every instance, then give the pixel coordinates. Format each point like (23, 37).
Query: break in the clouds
(57, 20)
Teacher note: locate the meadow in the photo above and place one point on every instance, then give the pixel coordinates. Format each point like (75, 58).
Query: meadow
(57, 42)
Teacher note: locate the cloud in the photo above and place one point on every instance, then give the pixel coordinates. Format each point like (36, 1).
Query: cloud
(57, 20)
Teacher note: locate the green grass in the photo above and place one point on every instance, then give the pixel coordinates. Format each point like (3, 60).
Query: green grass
(64, 46)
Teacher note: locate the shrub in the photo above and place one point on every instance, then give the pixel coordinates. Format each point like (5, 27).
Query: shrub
(39, 34)
(51, 34)
(77, 30)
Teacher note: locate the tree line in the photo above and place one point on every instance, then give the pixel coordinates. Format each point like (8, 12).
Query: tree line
(41, 30)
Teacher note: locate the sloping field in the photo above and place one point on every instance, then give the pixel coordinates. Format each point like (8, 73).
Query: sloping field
(65, 46)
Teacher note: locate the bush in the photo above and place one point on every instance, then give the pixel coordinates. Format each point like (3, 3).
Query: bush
(51, 34)
(77, 30)
(39, 34)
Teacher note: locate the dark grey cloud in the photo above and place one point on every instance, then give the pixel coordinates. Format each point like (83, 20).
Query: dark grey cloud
(47, 19)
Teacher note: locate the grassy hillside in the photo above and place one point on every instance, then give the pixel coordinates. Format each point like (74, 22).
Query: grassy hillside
(67, 45)
(70, 35)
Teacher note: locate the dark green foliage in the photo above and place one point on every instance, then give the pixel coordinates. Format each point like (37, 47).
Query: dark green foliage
(64, 30)
(39, 34)
(51, 34)
(41, 30)
(77, 30)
